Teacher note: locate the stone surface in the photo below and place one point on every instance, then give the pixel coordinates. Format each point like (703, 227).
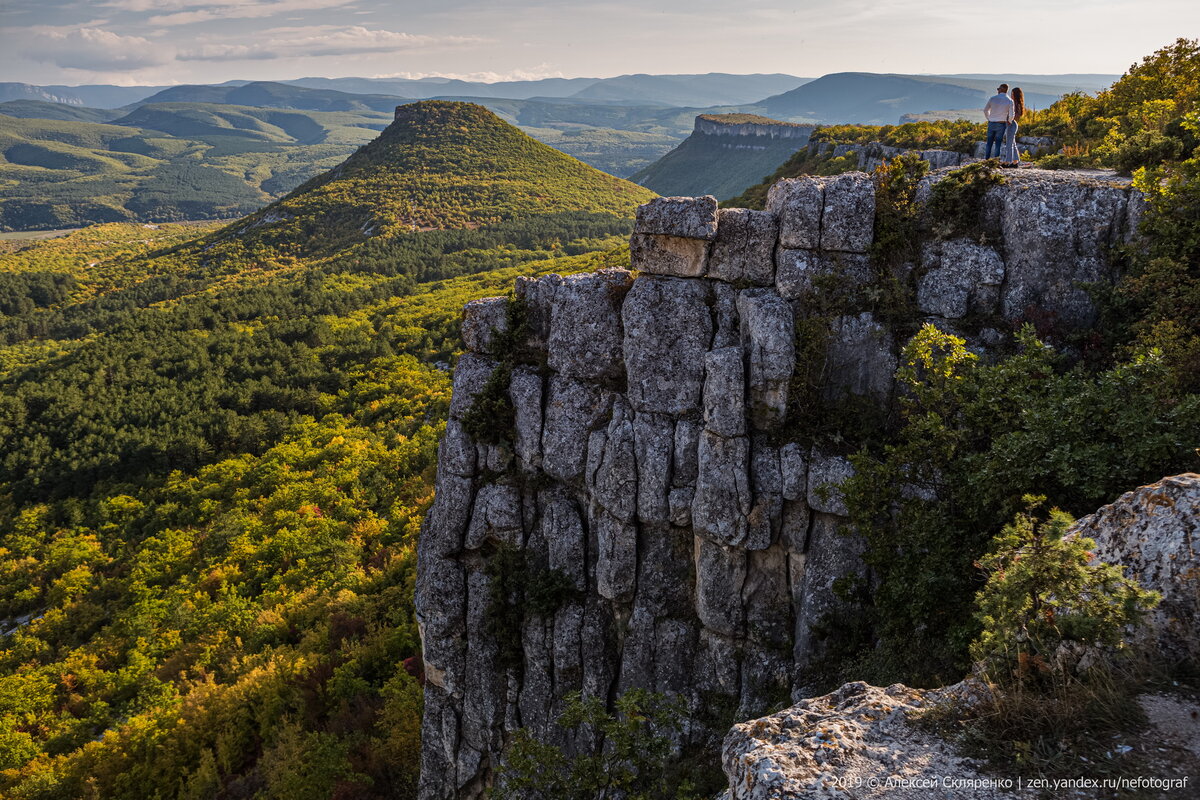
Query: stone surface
(585, 325)
(688, 217)
(649, 463)
(725, 392)
(960, 276)
(667, 329)
(797, 203)
(572, 410)
(482, 321)
(1154, 531)
(768, 339)
(848, 218)
(855, 738)
(825, 473)
(860, 358)
(799, 273)
(669, 255)
(744, 247)
(722, 502)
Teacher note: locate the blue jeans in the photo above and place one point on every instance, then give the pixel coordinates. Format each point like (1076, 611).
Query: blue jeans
(995, 136)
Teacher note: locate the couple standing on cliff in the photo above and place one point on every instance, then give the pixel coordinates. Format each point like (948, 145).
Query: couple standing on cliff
(1002, 113)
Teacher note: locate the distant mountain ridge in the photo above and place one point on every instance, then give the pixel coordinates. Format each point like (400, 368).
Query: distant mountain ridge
(725, 154)
(269, 94)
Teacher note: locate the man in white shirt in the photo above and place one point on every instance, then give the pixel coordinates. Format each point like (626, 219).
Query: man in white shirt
(999, 112)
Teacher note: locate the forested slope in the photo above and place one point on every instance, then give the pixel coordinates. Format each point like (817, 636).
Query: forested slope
(216, 458)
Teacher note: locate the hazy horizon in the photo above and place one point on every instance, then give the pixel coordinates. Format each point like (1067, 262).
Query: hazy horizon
(155, 42)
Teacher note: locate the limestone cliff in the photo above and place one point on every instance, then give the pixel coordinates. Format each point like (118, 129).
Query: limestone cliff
(634, 509)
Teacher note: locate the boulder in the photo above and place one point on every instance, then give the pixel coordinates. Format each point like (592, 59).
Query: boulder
(687, 217)
(856, 742)
(669, 255)
(585, 325)
(960, 276)
(667, 328)
(724, 392)
(1154, 532)
(800, 272)
(482, 320)
(745, 246)
(848, 217)
(797, 203)
(769, 342)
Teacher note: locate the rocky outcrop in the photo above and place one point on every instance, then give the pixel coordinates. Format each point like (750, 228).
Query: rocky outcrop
(749, 125)
(871, 154)
(1154, 531)
(856, 742)
(860, 741)
(649, 467)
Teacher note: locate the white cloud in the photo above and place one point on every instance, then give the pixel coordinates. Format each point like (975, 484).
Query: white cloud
(93, 49)
(191, 12)
(322, 40)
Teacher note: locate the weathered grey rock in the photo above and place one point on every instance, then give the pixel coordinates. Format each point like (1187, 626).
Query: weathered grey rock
(720, 574)
(496, 517)
(654, 443)
(725, 316)
(669, 255)
(470, 374)
(612, 474)
(1154, 531)
(484, 689)
(537, 297)
(674, 657)
(585, 325)
(686, 463)
(961, 276)
(456, 452)
(848, 219)
(441, 608)
(745, 246)
(446, 523)
(832, 554)
(679, 502)
(616, 556)
(573, 409)
(825, 473)
(482, 320)
(1057, 234)
(766, 482)
(857, 736)
(562, 530)
(718, 665)
(689, 217)
(768, 340)
(525, 391)
(797, 203)
(860, 358)
(667, 328)
(722, 503)
(793, 468)
(724, 392)
(800, 273)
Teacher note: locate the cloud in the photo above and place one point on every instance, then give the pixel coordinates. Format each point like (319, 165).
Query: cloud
(94, 49)
(322, 40)
(188, 13)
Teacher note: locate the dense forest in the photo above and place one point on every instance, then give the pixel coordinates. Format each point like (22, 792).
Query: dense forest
(217, 443)
(216, 454)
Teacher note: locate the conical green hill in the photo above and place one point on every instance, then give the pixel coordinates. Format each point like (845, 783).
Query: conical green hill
(439, 165)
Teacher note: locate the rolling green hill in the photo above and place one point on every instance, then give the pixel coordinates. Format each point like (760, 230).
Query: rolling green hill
(440, 165)
(165, 162)
(725, 154)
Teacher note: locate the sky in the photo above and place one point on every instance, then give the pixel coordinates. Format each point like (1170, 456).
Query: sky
(155, 42)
